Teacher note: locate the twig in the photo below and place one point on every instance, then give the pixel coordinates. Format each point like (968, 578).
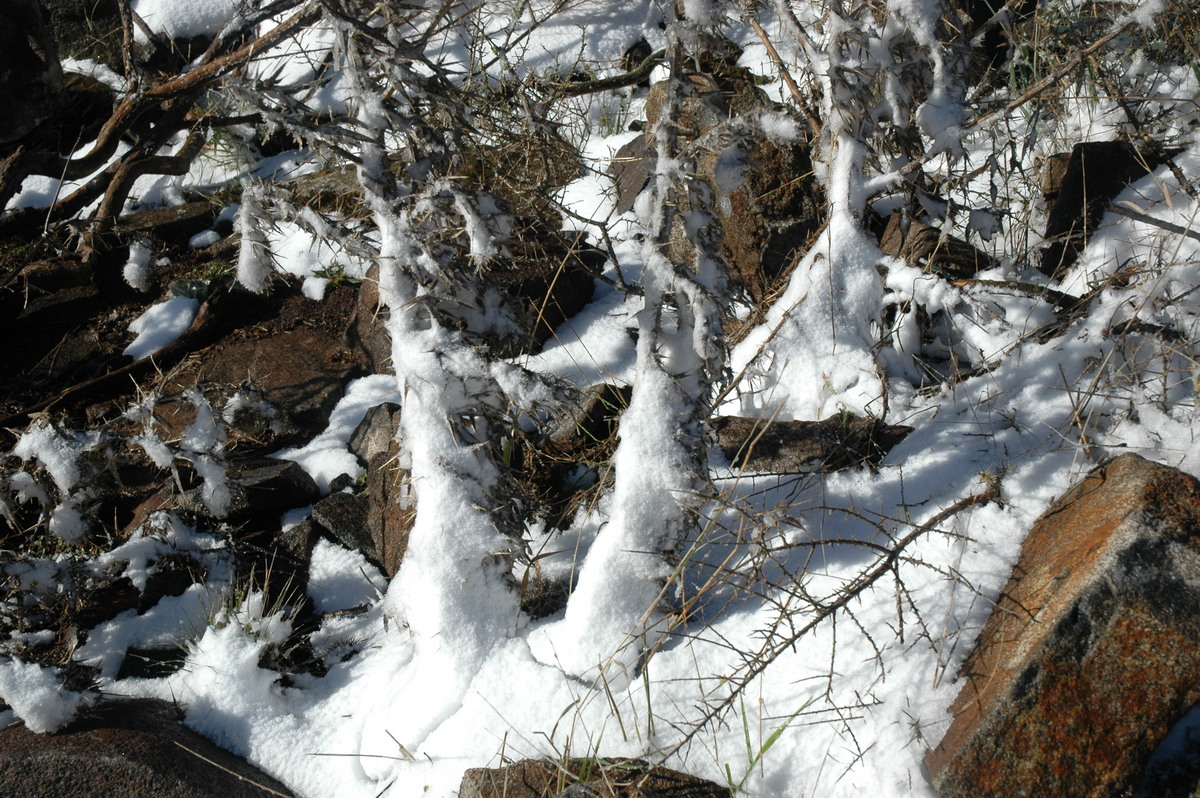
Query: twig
(630, 78)
(237, 776)
(814, 124)
(851, 592)
(1122, 209)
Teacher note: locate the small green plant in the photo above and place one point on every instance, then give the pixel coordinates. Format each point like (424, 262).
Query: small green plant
(754, 757)
(335, 273)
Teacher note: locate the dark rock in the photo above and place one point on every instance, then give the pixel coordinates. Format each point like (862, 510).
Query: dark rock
(298, 542)
(87, 29)
(391, 505)
(391, 511)
(1094, 173)
(1093, 650)
(344, 516)
(30, 76)
(561, 467)
(302, 371)
(260, 485)
(340, 483)
(133, 748)
(845, 441)
(634, 55)
(595, 778)
(54, 288)
(542, 279)
(926, 248)
(175, 225)
(367, 332)
(631, 168)
(263, 483)
(593, 419)
(545, 278)
(151, 663)
(86, 104)
(105, 597)
(376, 433)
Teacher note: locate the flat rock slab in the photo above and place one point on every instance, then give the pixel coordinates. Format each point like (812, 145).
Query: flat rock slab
(786, 447)
(133, 748)
(1093, 650)
(585, 778)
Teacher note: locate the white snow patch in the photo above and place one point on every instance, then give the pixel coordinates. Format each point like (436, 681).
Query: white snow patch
(37, 696)
(161, 324)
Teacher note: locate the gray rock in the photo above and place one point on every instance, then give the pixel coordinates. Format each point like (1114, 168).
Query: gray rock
(344, 516)
(375, 434)
(126, 748)
(260, 485)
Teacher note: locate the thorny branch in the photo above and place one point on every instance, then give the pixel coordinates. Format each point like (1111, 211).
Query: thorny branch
(775, 646)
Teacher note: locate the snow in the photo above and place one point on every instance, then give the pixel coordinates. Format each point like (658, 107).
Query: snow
(438, 670)
(183, 19)
(137, 269)
(35, 695)
(327, 456)
(161, 324)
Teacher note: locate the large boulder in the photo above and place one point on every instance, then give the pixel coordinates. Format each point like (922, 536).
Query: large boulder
(136, 748)
(1093, 650)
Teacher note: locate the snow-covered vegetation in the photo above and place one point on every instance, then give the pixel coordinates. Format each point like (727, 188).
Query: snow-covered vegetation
(789, 634)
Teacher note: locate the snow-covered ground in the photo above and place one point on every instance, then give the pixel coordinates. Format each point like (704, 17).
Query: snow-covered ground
(755, 683)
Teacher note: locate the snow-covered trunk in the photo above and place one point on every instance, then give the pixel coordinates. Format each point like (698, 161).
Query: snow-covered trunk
(453, 596)
(889, 98)
(615, 613)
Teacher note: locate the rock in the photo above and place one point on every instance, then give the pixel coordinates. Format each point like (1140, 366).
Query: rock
(924, 247)
(344, 516)
(30, 76)
(593, 419)
(61, 286)
(302, 371)
(87, 29)
(391, 508)
(367, 332)
(175, 225)
(259, 485)
(1093, 650)
(297, 544)
(545, 278)
(786, 447)
(1078, 193)
(126, 748)
(105, 596)
(376, 433)
(593, 778)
